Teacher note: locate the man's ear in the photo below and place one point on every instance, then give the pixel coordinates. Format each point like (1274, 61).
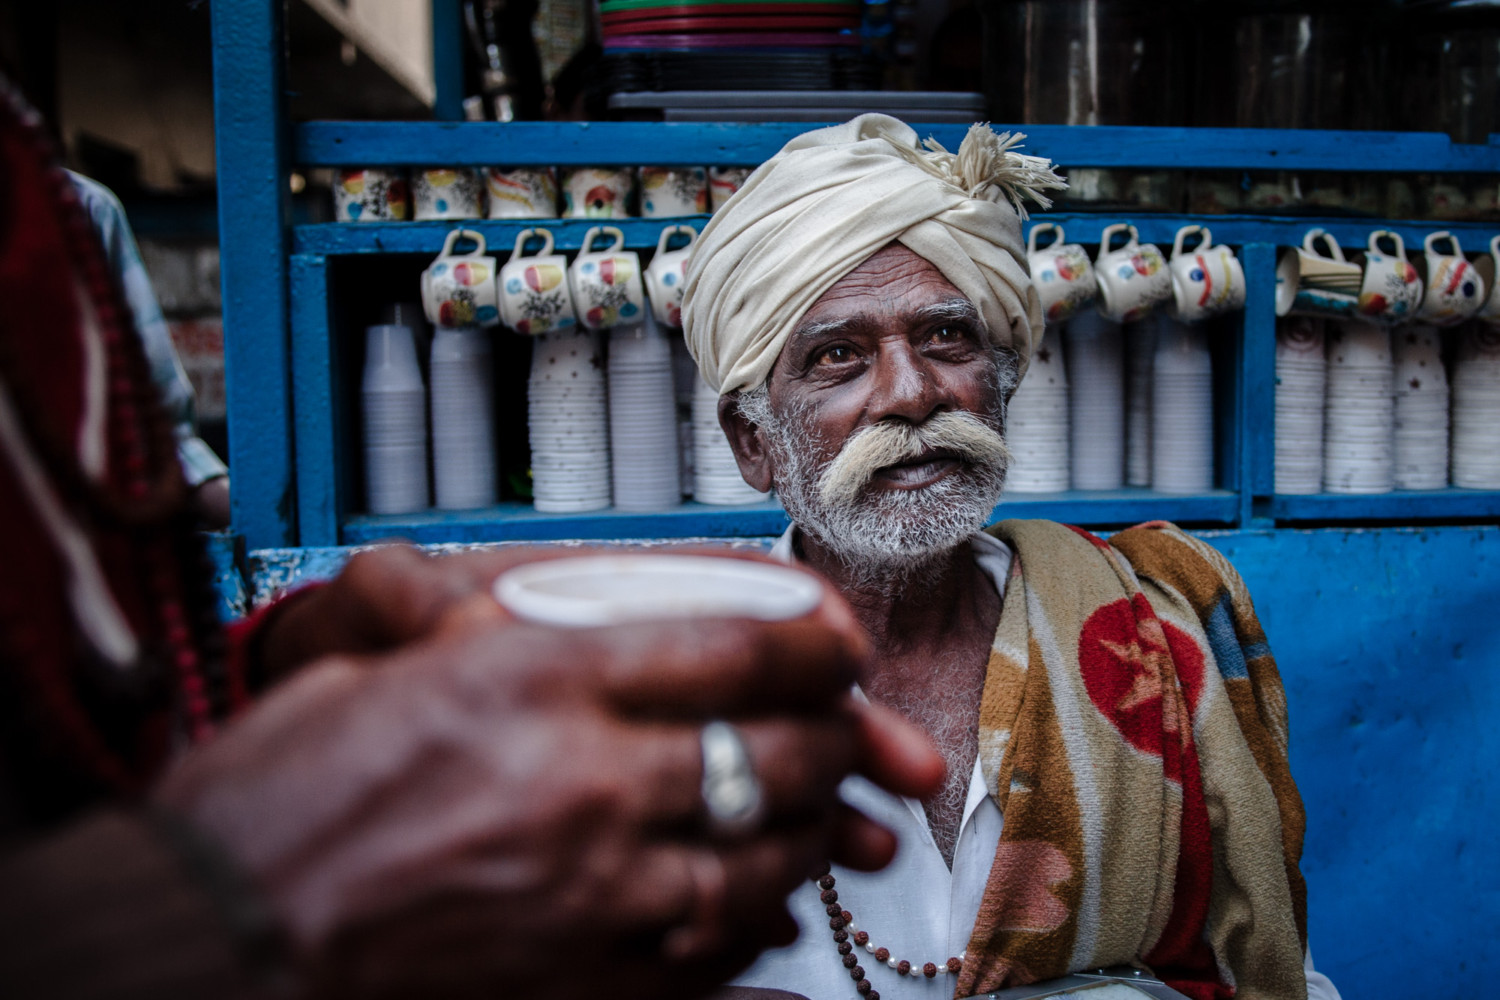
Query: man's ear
(748, 442)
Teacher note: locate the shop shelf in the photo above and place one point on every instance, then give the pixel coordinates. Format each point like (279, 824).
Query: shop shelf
(1400, 507)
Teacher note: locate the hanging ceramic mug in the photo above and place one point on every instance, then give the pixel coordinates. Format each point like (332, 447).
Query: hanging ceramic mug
(667, 192)
(370, 195)
(606, 284)
(1489, 272)
(723, 182)
(1060, 273)
(1391, 290)
(1311, 282)
(1206, 280)
(458, 289)
(1455, 291)
(1133, 279)
(534, 294)
(522, 193)
(667, 273)
(597, 192)
(447, 193)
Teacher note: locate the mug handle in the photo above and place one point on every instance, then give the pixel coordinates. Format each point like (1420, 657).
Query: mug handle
(460, 234)
(1495, 247)
(1207, 239)
(544, 234)
(1042, 227)
(665, 239)
(1396, 241)
(617, 239)
(1314, 235)
(1109, 231)
(1442, 234)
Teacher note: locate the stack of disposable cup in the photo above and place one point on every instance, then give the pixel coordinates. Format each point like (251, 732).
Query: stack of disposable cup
(463, 418)
(1421, 409)
(568, 422)
(643, 440)
(1036, 424)
(1140, 346)
(684, 381)
(1096, 379)
(1182, 409)
(394, 407)
(1301, 387)
(716, 475)
(1476, 408)
(1359, 421)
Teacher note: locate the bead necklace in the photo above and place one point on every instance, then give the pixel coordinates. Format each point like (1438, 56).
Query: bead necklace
(847, 936)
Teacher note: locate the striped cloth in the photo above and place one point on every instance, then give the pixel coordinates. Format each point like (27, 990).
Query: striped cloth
(1133, 731)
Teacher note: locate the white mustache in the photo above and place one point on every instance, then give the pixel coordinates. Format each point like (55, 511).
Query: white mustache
(890, 442)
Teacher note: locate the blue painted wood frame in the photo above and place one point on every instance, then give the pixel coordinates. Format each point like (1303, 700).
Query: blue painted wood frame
(250, 147)
(314, 349)
(1257, 372)
(373, 144)
(447, 60)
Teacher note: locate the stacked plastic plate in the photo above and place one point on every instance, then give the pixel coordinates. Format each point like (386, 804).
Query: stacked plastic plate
(463, 418)
(568, 422)
(1182, 409)
(1421, 409)
(731, 44)
(1359, 421)
(716, 475)
(1036, 424)
(1140, 345)
(1476, 409)
(1301, 385)
(643, 418)
(1096, 374)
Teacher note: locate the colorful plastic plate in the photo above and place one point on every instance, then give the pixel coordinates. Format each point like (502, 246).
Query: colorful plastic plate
(679, 9)
(614, 6)
(734, 40)
(767, 22)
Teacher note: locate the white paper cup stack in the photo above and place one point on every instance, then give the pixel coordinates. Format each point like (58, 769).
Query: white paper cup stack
(684, 382)
(716, 475)
(1182, 409)
(1036, 424)
(643, 440)
(1301, 389)
(1476, 408)
(463, 418)
(1421, 435)
(1359, 421)
(1096, 378)
(1140, 346)
(394, 407)
(568, 422)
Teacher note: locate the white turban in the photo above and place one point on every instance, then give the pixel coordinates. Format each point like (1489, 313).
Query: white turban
(833, 197)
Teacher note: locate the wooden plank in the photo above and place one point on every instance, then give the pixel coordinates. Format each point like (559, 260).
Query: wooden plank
(313, 400)
(371, 144)
(1258, 372)
(1394, 508)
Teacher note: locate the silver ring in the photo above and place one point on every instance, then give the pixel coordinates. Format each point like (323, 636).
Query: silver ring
(731, 792)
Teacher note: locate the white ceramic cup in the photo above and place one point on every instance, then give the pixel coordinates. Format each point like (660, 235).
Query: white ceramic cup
(533, 291)
(370, 195)
(1454, 289)
(597, 192)
(1133, 279)
(522, 193)
(1328, 270)
(458, 289)
(1489, 271)
(606, 284)
(1061, 274)
(667, 192)
(1206, 280)
(723, 182)
(590, 591)
(667, 273)
(1391, 290)
(447, 193)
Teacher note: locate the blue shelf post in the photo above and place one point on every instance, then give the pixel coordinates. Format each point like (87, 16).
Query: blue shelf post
(251, 148)
(448, 60)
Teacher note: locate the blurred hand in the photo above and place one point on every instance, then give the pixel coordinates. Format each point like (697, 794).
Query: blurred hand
(509, 809)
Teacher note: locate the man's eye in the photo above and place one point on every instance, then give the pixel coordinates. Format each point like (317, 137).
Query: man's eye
(948, 335)
(836, 356)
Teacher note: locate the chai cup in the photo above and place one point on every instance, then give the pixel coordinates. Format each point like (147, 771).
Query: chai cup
(723, 182)
(1391, 291)
(522, 193)
(534, 290)
(667, 273)
(458, 289)
(589, 591)
(1455, 291)
(1207, 280)
(1325, 270)
(1060, 273)
(370, 195)
(597, 192)
(447, 193)
(1133, 279)
(1489, 270)
(667, 192)
(606, 284)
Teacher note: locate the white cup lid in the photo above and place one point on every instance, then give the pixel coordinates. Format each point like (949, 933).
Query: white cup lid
(613, 589)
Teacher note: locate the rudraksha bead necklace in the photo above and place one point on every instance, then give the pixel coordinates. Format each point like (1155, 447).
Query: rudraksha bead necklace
(846, 937)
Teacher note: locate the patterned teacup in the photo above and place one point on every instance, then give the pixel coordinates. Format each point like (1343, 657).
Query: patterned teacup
(1133, 279)
(458, 289)
(1060, 273)
(534, 290)
(370, 196)
(606, 283)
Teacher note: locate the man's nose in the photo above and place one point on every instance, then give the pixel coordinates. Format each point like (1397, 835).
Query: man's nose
(905, 387)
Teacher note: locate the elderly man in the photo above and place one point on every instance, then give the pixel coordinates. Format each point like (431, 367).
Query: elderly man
(1113, 723)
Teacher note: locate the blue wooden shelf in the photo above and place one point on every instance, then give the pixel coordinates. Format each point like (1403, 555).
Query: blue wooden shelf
(373, 144)
(1402, 506)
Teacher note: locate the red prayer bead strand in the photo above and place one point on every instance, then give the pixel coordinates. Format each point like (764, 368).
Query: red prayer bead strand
(843, 926)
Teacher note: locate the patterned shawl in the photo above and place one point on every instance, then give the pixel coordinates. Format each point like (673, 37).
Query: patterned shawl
(1133, 731)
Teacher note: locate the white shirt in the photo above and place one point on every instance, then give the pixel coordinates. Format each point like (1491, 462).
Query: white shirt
(916, 906)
